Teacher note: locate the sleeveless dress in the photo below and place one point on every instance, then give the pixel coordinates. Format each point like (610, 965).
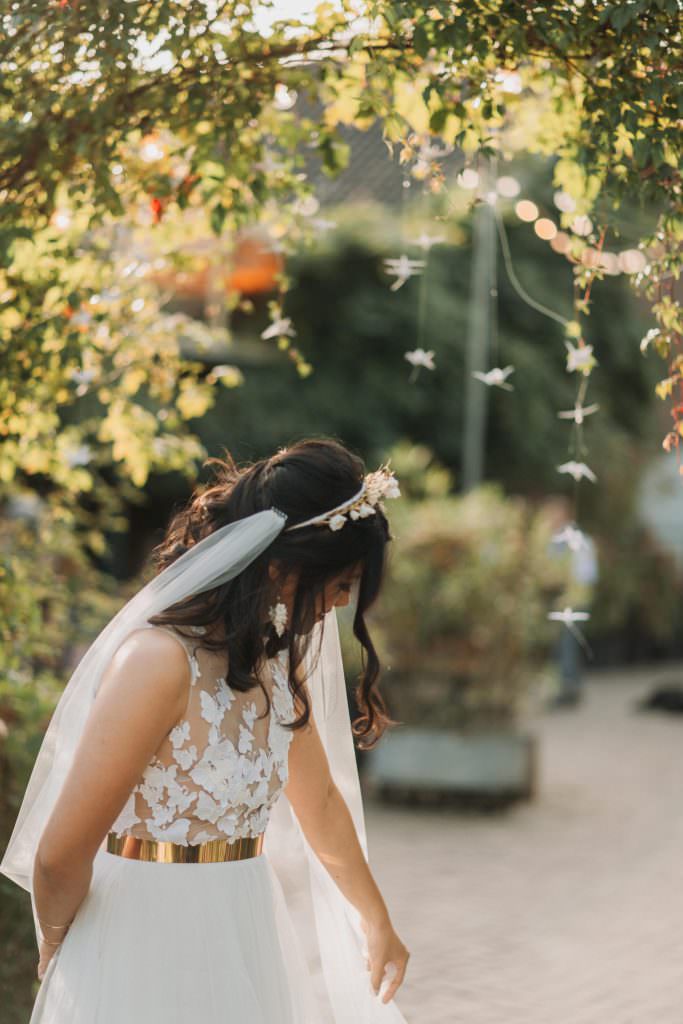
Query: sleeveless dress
(197, 943)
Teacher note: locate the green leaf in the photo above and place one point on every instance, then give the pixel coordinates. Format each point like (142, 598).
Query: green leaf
(217, 219)
(357, 44)
(437, 121)
(421, 42)
(622, 16)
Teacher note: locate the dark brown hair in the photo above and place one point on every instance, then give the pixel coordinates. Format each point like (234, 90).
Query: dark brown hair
(304, 480)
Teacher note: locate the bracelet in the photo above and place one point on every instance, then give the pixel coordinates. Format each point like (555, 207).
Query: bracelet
(46, 943)
(43, 924)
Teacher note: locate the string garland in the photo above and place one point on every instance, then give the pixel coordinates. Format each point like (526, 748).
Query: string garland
(580, 359)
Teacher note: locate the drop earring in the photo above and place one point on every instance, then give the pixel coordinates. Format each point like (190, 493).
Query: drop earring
(278, 616)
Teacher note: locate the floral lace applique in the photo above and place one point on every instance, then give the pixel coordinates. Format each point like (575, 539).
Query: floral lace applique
(232, 782)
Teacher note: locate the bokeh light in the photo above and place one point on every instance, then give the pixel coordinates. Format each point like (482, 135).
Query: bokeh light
(545, 229)
(564, 202)
(561, 242)
(526, 210)
(609, 262)
(590, 257)
(582, 225)
(284, 98)
(632, 261)
(508, 186)
(468, 178)
(151, 149)
(61, 219)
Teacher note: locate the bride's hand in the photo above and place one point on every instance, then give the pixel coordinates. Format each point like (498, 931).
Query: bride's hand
(385, 952)
(46, 953)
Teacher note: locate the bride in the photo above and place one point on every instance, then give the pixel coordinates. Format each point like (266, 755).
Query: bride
(192, 834)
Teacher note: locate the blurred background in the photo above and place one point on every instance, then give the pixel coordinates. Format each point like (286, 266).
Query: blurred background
(524, 816)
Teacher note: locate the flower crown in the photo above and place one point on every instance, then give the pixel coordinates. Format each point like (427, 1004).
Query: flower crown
(376, 486)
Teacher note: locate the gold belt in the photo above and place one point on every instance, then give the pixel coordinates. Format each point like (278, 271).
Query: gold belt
(174, 853)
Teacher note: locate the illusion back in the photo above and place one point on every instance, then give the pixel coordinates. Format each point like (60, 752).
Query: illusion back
(219, 771)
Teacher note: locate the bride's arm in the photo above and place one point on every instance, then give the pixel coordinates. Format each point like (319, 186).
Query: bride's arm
(142, 693)
(328, 827)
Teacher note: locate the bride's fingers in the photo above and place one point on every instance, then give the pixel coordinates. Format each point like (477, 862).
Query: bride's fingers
(393, 978)
(376, 976)
(382, 975)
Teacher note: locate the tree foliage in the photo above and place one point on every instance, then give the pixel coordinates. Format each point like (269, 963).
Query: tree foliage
(131, 123)
(130, 131)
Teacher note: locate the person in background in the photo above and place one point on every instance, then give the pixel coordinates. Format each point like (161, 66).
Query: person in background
(578, 549)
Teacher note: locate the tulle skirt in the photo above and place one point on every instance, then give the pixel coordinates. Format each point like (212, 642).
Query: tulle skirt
(178, 944)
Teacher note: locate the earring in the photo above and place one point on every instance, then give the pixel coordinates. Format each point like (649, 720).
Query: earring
(278, 616)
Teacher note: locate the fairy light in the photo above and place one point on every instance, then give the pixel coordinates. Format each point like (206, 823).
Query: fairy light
(561, 242)
(609, 262)
(508, 186)
(526, 210)
(631, 261)
(590, 258)
(582, 225)
(545, 229)
(564, 202)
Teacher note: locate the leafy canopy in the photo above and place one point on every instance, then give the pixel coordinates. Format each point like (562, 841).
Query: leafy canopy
(131, 121)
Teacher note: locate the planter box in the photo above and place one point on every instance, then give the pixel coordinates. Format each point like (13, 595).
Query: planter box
(487, 764)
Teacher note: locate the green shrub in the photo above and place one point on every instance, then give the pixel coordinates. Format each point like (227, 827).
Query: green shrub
(462, 622)
(52, 603)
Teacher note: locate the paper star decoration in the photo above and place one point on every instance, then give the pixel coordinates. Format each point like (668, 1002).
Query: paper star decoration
(278, 329)
(426, 241)
(569, 616)
(651, 336)
(578, 470)
(578, 413)
(418, 357)
(403, 268)
(580, 358)
(322, 224)
(496, 377)
(574, 538)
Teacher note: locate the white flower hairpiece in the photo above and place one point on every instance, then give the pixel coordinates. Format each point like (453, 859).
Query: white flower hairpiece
(375, 487)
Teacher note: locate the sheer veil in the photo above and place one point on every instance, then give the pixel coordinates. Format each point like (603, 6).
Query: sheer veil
(327, 925)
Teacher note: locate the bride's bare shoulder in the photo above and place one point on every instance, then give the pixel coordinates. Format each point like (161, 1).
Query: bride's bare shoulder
(150, 669)
(150, 646)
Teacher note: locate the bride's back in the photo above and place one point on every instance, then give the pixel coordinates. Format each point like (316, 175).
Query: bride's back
(218, 772)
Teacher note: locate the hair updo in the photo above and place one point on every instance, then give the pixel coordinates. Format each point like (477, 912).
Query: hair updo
(303, 480)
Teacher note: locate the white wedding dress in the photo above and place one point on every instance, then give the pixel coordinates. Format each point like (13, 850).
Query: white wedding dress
(165, 943)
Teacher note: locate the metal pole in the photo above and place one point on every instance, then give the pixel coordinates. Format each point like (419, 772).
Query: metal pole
(479, 332)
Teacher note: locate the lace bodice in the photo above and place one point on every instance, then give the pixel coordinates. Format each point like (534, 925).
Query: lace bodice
(219, 771)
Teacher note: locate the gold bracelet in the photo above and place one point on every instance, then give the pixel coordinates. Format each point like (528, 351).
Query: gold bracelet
(46, 943)
(44, 925)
